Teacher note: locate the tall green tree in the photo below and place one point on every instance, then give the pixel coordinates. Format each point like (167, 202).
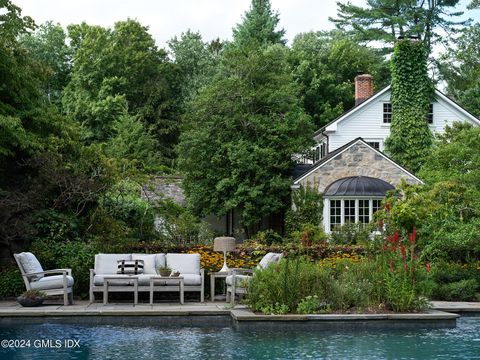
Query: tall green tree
(410, 138)
(259, 26)
(244, 128)
(386, 20)
(197, 61)
(49, 48)
(460, 68)
(325, 65)
(114, 68)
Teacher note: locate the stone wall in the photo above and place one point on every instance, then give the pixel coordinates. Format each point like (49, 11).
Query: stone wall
(358, 160)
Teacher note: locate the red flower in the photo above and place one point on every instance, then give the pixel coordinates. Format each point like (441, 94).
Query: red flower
(405, 267)
(403, 251)
(396, 237)
(413, 236)
(387, 206)
(392, 265)
(384, 247)
(427, 266)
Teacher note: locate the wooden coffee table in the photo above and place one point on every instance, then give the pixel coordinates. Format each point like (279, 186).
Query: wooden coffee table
(165, 287)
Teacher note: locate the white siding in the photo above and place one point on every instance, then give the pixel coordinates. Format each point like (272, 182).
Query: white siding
(367, 122)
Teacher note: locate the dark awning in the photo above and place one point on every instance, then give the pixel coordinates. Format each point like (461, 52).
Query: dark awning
(358, 186)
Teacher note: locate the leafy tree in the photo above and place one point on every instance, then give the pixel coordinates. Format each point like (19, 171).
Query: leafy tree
(118, 68)
(410, 138)
(131, 140)
(48, 46)
(386, 20)
(325, 64)
(245, 126)
(258, 26)
(446, 209)
(474, 4)
(461, 70)
(197, 61)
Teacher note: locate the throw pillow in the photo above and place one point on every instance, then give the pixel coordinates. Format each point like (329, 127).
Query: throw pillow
(130, 267)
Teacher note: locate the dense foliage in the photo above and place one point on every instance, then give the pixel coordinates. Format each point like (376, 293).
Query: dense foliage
(244, 127)
(412, 93)
(89, 115)
(461, 70)
(386, 20)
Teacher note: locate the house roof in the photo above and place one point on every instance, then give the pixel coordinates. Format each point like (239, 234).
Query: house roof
(380, 93)
(358, 186)
(343, 148)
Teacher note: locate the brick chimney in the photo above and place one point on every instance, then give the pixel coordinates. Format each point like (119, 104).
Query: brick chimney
(363, 87)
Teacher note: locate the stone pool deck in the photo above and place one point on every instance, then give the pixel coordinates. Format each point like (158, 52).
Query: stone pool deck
(442, 314)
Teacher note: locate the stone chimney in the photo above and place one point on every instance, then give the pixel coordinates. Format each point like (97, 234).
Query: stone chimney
(363, 87)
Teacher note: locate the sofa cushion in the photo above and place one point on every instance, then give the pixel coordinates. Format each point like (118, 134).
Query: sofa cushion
(160, 260)
(130, 267)
(184, 263)
(269, 259)
(51, 282)
(122, 280)
(30, 264)
(241, 280)
(188, 280)
(107, 263)
(149, 262)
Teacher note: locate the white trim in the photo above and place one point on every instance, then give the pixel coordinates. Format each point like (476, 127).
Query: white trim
(457, 107)
(348, 147)
(333, 125)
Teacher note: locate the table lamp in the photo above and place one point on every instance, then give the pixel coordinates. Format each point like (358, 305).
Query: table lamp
(224, 244)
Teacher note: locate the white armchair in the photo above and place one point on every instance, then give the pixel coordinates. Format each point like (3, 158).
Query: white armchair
(34, 277)
(238, 279)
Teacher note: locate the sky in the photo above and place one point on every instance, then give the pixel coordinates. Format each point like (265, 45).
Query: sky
(169, 18)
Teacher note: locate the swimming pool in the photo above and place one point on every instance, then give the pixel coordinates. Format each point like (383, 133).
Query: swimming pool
(139, 342)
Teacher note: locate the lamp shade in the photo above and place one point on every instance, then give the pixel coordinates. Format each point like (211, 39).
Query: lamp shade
(224, 243)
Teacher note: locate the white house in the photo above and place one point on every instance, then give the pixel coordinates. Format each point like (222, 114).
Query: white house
(349, 165)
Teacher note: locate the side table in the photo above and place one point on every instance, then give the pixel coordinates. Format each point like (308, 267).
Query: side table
(213, 276)
(166, 285)
(113, 278)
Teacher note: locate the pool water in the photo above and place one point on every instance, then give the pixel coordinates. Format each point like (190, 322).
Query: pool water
(136, 342)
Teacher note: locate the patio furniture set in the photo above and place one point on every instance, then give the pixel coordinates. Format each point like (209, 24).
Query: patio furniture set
(138, 273)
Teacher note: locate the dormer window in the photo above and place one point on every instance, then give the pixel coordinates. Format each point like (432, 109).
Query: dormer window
(387, 113)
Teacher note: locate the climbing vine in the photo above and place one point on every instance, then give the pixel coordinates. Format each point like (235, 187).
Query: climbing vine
(412, 92)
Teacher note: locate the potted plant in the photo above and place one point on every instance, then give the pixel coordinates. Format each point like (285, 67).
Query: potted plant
(31, 298)
(164, 271)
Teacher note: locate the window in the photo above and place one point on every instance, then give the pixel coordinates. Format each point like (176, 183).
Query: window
(376, 204)
(374, 144)
(349, 209)
(364, 211)
(430, 114)
(346, 211)
(387, 113)
(335, 213)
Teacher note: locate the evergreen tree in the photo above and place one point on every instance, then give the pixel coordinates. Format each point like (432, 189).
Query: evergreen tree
(412, 93)
(259, 26)
(386, 20)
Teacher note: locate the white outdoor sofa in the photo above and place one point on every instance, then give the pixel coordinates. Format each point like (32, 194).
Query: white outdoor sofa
(187, 264)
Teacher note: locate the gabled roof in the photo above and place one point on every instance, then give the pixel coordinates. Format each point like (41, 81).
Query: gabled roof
(340, 150)
(379, 94)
